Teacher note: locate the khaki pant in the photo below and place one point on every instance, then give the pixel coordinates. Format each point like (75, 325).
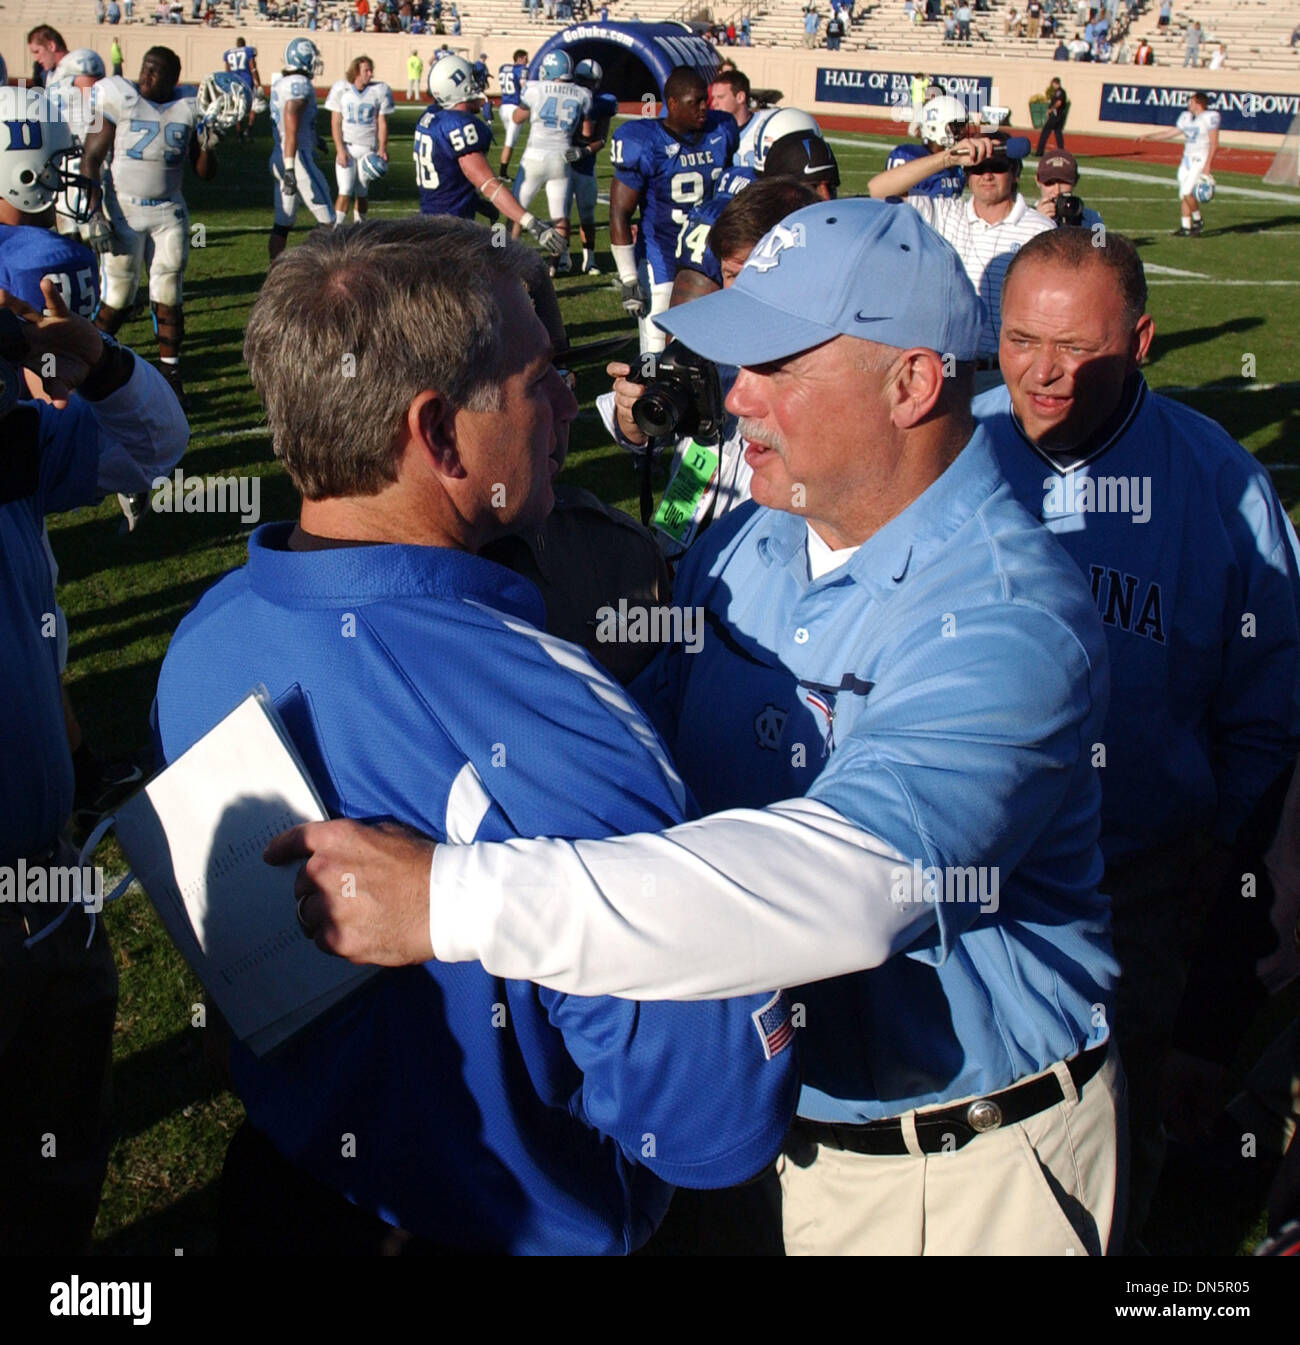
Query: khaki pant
(1052, 1185)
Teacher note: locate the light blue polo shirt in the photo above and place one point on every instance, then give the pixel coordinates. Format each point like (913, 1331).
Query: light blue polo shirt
(943, 690)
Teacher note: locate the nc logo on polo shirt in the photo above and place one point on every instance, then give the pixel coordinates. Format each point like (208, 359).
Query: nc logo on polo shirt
(768, 252)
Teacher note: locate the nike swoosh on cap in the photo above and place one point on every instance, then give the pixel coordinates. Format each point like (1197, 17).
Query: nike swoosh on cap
(862, 317)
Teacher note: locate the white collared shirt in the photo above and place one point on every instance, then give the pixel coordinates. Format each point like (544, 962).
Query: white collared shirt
(985, 249)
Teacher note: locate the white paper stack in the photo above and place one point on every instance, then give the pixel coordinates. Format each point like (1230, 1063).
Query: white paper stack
(194, 837)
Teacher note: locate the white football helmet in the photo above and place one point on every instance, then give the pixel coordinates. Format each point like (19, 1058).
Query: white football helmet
(1204, 189)
(943, 120)
(259, 102)
(303, 55)
(784, 121)
(224, 100)
(451, 81)
(557, 65)
(371, 167)
(589, 73)
(33, 156)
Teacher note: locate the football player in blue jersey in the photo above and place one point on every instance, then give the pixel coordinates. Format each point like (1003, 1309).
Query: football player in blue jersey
(943, 121)
(32, 171)
(450, 150)
(582, 177)
(241, 60)
(512, 77)
(663, 168)
(701, 269)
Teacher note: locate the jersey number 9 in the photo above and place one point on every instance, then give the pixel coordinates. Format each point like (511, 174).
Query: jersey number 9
(687, 190)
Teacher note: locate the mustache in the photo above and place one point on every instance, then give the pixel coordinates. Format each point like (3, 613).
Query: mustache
(755, 430)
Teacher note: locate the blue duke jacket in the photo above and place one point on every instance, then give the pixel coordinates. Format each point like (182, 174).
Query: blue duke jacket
(486, 1114)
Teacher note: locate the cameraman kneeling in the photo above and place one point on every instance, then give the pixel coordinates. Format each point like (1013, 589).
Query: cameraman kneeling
(1057, 176)
(113, 425)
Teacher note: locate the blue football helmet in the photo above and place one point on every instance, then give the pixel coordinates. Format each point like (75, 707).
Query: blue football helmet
(303, 55)
(224, 100)
(557, 65)
(1204, 189)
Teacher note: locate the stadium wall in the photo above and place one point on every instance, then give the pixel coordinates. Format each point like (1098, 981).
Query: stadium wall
(859, 84)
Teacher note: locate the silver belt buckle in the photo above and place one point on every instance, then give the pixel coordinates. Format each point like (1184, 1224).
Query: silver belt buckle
(983, 1114)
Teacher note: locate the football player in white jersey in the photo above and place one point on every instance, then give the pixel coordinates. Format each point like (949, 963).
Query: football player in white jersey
(69, 78)
(293, 131)
(559, 109)
(1199, 128)
(150, 129)
(359, 106)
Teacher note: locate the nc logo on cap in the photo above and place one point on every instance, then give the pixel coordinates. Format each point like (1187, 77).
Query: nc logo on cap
(767, 254)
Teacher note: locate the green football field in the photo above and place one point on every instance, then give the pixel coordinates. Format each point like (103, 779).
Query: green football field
(1226, 308)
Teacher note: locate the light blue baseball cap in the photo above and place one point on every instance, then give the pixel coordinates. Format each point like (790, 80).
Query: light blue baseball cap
(857, 267)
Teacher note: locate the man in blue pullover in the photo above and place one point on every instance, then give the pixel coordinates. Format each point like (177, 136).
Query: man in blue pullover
(442, 1108)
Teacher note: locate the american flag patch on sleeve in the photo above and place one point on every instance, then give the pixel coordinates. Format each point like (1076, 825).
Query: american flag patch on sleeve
(774, 1024)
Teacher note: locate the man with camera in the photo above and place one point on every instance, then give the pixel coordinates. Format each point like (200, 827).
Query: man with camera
(113, 425)
(676, 398)
(903, 677)
(987, 230)
(1057, 176)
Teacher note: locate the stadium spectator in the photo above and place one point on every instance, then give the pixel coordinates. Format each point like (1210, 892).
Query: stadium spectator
(113, 12)
(903, 495)
(1062, 52)
(963, 17)
(1192, 45)
(1144, 54)
(987, 230)
(1079, 49)
(115, 56)
(539, 1102)
(811, 20)
(1184, 770)
(1033, 19)
(414, 69)
(1058, 105)
(114, 426)
(1166, 10)
(1218, 57)
(834, 31)
(1295, 36)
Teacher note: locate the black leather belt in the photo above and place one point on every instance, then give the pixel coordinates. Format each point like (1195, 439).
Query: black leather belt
(950, 1128)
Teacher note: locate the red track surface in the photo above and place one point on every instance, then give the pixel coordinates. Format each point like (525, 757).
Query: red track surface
(1229, 159)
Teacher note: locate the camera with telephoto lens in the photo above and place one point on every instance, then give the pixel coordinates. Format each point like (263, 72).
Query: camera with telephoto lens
(683, 395)
(1069, 210)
